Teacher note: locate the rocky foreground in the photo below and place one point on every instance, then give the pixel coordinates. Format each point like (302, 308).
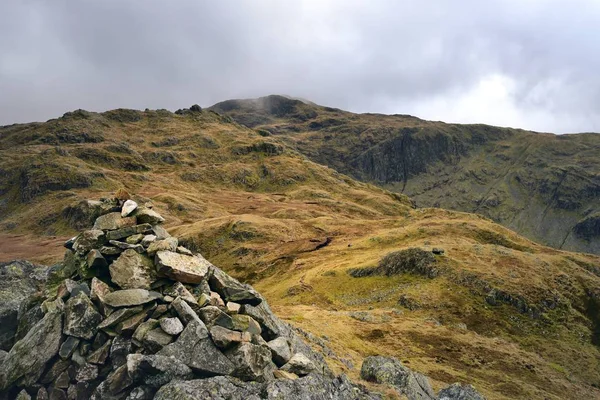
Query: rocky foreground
(131, 314)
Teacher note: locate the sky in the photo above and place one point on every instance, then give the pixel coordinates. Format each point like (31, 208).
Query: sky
(532, 64)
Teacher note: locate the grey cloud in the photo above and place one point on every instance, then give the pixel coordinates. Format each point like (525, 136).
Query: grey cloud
(363, 56)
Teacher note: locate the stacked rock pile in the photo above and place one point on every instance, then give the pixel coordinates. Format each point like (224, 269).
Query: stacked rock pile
(134, 315)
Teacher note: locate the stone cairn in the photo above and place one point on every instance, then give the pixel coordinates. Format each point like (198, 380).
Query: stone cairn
(131, 314)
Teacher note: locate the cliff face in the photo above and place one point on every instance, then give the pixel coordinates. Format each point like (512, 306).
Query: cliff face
(544, 186)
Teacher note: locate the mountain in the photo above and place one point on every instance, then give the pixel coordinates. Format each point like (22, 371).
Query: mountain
(544, 186)
(355, 267)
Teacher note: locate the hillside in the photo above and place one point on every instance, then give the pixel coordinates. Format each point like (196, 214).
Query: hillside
(544, 186)
(512, 317)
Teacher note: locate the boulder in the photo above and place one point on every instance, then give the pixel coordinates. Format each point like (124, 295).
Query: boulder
(172, 326)
(81, 317)
(127, 231)
(168, 244)
(28, 357)
(225, 338)
(132, 271)
(160, 232)
(113, 221)
(458, 391)
(148, 216)
(246, 323)
(130, 297)
(280, 350)
(388, 370)
(299, 364)
(232, 290)
(128, 207)
(155, 339)
(155, 370)
(181, 268)
(212, 315)
(20, 280)
(250, 361)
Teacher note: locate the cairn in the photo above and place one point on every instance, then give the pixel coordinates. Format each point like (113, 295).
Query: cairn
(132, 314)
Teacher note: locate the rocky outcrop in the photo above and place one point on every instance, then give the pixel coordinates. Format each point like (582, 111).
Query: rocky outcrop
(390, 371)
(115, 323)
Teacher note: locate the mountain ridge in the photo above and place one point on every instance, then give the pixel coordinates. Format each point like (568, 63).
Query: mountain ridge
(545, 186)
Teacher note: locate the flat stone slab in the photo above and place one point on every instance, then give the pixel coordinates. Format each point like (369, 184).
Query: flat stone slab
(130, 297)
(133, 270)
(181, 267)
(112, 221)
(128, 231)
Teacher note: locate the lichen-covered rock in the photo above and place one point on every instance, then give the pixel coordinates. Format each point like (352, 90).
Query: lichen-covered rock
(458, 391)
(155, 370)
(181, 268)
(388, 370)
(127, 231)
(27, 358)
(225, 338)
(184, 311)
(172, 326)
(231, 289)
(81, 317)
(88, 240)
(18, 281)
(178, 290)
(168, 244)
(113, 221)
(128, 207)
(251, 361)
(132, 270)
(148, 216)
(130, 297)
(96, 260)
(299, 364)
(280, 350)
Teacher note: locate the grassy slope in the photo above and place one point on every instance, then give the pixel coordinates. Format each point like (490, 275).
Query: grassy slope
(264, 213)
(540, 185)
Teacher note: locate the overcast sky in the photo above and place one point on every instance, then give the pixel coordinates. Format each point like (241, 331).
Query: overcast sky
(533, 64)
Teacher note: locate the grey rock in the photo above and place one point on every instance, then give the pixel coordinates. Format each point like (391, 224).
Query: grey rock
(232, 290)
(23, 395)
(68, 347)
(20, 280)
(138, 248)
(112, 221)
(216, 388)
(156, 339)
(88, 240)
(62, 381)
(81, 317)
(98, 290)
(280, 350)
(181, 268)
(272, 327)
(143, 329)
(183, 250)
(160, 232)
(225, 338)
(114, 385)
(143, 392)
(86, 373)
(184, 311)
(134, 239)
(27, 319)
(233, 308)
(250, 361)
(100, 355)
(133, 270)
(212, 315)
(57, 394)
(171, 326)
(119, 316)
(438, 251)
(457, 391)
(147, 240)
(130, 297)
(119, 350)
(42, 394)
(195, 349)
(388, 370)
(127, 231)
(168, 244)
(95, 259)
(245, 323)
(57, 368)
(128, 207)
(110, 250)
(178, 290)
(29, 355)
(148, 216)
(299, 364)
(156, 370)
